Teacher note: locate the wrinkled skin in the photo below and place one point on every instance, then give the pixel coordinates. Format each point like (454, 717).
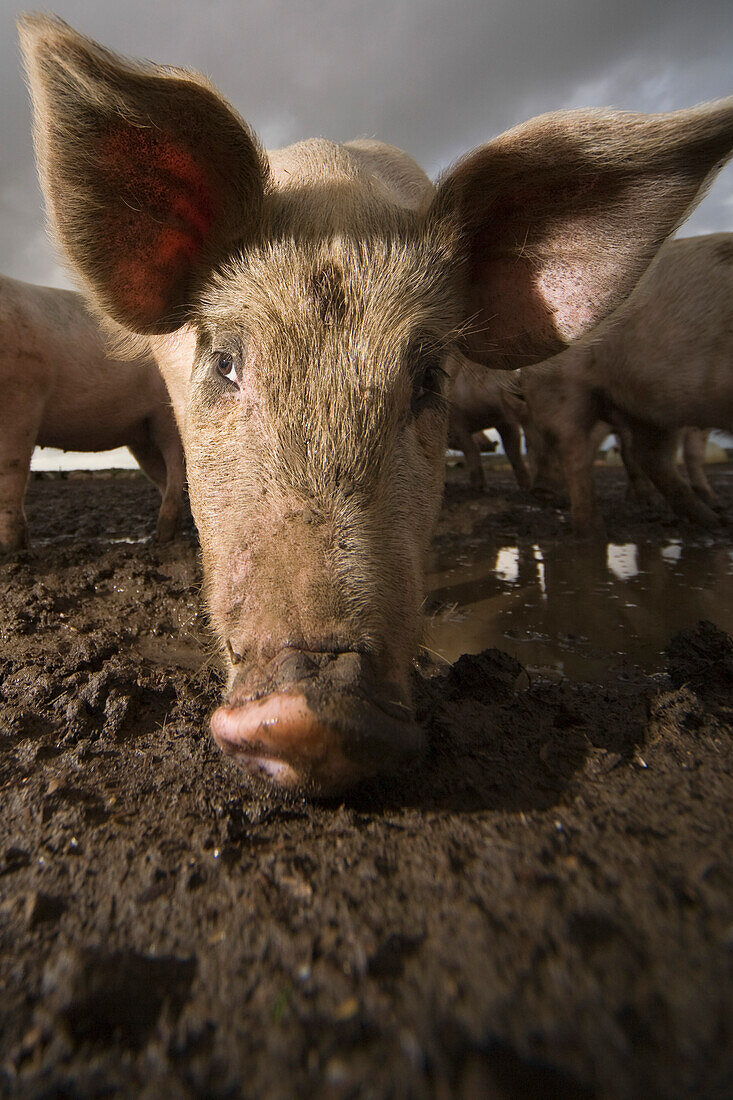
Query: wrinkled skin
(306, 308)
(62, 388)
(661, 364)
(475, 404)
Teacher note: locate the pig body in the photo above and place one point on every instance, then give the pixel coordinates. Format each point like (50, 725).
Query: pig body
(307, 308)
(61, 389)
(476, 404)
(662, 363)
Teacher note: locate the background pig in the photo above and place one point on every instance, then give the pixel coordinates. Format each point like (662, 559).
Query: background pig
(663, 362)
(305, 307)
(60, 388)
(545, 468)
(475, 404)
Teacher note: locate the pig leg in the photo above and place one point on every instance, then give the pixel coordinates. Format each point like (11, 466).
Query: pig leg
(640, 487)
(467, 444)
(160, 458)
(573, 422)
(577, 452)
(511, 441)
(164, 433)
(654, 450)
(694, 442)
(17, 441)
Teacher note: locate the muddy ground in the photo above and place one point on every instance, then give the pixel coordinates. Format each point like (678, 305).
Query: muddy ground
(542, 910)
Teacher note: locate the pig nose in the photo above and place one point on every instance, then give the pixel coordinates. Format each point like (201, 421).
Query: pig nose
(324, 725)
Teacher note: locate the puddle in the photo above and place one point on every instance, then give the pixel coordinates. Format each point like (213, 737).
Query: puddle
(585, 612)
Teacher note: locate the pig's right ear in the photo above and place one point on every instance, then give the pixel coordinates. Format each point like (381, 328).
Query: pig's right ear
(149, 176)
(557, 219)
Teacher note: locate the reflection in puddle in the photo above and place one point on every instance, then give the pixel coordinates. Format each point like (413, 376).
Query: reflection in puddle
(93, 540)
(622, 561)
(586, 612)
(507, 564)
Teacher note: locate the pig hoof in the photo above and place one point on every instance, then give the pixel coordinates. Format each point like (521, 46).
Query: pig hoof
(704, 516)
(12, 547)
(547, 497)
(165, 532)
(296, 745)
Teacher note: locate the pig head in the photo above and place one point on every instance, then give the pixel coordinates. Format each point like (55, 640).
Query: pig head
(305, 308)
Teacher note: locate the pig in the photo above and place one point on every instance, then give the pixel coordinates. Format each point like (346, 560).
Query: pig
(547, 479)
(662, 363)
(306, 308)
(544, 467)
(475, 404)
(61, 388)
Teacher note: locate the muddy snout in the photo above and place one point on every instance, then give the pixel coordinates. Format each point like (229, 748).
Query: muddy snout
(320, 721)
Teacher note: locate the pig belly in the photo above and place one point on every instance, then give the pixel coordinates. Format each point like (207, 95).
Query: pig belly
(72, 432)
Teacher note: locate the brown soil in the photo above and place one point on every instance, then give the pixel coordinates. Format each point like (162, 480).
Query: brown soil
(543, 910)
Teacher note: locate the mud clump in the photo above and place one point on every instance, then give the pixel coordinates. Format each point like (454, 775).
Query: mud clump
(543, 908)
(702, 657)
(488, 677)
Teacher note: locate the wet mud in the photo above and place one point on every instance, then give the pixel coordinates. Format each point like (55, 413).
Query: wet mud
(542, 909)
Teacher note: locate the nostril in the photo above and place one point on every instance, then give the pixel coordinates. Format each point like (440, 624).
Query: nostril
(290, 666)
(346, 668)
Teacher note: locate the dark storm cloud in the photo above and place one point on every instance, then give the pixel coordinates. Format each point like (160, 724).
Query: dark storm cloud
(436, 78)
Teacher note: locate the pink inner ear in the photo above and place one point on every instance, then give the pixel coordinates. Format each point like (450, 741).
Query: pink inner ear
(509, 310)
(162, 210)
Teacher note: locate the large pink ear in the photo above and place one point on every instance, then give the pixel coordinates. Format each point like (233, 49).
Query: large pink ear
(149, 175)
(558, 218)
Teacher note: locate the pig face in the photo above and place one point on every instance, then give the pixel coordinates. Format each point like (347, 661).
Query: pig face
(305, 309)
(315, 461)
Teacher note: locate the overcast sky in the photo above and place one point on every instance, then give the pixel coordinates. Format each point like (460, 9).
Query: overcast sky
(436, 77)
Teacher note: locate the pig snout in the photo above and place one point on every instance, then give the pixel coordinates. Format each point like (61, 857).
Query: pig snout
(318, 721)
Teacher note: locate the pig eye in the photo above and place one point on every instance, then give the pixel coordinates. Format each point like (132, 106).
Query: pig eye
(226, 366)
(427, 388)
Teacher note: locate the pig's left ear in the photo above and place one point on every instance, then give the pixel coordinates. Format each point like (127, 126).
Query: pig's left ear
(558, 218)
(150, 177)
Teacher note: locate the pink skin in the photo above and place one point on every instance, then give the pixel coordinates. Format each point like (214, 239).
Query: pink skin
(255, 733)
(281, 737)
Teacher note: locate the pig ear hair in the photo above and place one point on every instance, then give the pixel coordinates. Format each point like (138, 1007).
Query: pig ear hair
(558, 219)
(149, 176)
